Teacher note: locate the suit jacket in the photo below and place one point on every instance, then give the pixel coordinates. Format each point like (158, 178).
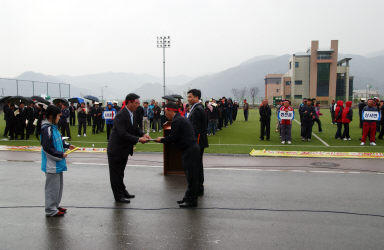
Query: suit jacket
(182, 133)
(265, 113)
(124, 135)
(199, 123)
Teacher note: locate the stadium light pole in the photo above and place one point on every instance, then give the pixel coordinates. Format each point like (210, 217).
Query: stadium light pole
(102, 93)
(163, 42)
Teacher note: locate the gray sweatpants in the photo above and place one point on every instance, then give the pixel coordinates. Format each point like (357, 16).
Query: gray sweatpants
(285, 131)
(53, 193)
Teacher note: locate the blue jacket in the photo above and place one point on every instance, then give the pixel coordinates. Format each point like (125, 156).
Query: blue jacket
(150, 111)
(112, 109)
(53, 148)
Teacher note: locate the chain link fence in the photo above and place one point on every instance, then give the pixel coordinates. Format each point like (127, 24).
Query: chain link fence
(19, 87)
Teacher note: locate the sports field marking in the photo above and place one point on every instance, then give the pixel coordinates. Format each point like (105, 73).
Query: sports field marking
(316, 136)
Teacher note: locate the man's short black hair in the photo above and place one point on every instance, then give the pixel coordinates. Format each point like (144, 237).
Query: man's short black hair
(195, 92)
(53, 111)
(146, 103)
(131, 97)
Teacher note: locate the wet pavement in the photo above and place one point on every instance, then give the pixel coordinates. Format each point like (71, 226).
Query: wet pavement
(250, 203)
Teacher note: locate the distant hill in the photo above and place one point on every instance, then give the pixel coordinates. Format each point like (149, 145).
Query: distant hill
(250, 73)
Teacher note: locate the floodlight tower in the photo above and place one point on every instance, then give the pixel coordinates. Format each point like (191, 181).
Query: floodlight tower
(164, 42)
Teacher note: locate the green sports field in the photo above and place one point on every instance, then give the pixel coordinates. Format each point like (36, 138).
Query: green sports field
(242, 137)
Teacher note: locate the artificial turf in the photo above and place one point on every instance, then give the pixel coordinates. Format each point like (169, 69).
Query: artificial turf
(240, 138)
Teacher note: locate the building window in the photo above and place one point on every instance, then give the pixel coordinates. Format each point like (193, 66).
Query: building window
(323, 70)
(298, 82)
(272, 80)
(296, 64)
(298, 96)
(290, 65)
(288, 96)
(277, 90)
(322, 56)
(288, 83)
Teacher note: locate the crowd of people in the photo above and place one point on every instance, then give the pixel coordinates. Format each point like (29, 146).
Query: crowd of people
(309, 112)
(22, 122)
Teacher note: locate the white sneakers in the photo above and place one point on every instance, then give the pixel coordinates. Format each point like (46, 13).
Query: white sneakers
(85, 135)
(288, 142)
(78, 135)
(372, 144)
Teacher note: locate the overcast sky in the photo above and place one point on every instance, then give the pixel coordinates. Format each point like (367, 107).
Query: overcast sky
(78, 37)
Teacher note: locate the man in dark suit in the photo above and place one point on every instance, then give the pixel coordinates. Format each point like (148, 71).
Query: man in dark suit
(6, 109)
(183, 136)
(265, 120)
(21, 117)
(199, 122)
(125, 134)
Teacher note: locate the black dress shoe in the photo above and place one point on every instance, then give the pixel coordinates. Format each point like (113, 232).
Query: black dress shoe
(129, 196)
(123, 200)
(181, 201)
(201, 192)
(188, 204)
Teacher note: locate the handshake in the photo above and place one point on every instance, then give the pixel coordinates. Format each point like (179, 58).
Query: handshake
(146, 138)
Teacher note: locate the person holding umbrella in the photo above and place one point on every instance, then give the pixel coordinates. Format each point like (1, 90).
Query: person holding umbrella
(21, 118)
(11, 119)
(30, 115)
(6, 110)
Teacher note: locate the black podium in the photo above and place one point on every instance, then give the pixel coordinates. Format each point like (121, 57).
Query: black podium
(172, 155)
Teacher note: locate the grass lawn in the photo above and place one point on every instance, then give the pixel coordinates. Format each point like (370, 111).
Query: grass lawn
(241, 137)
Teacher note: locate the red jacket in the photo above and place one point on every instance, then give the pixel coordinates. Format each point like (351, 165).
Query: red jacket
(339, 111)
(347, 116)
(284, 109)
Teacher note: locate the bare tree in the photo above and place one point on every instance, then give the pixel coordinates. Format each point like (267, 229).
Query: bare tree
(253, 93)
(242, 94)
(235, 93)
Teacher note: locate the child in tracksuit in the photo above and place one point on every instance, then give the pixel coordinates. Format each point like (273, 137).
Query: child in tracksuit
(53, 161)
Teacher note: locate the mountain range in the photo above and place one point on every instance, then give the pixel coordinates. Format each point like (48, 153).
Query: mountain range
(366, 70)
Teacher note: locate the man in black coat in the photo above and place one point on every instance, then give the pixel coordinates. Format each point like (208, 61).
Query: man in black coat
(361, 106)
(6, 109)
(21, 117)
(72, 115)
(11, 119)
(96, 118)
(30, 115)
(183, 136)
(139, 116)
(265, 120)
(309, 113)
(125, 134)
(199, 122)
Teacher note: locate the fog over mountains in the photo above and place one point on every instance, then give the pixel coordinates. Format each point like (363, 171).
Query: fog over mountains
(366, 70)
